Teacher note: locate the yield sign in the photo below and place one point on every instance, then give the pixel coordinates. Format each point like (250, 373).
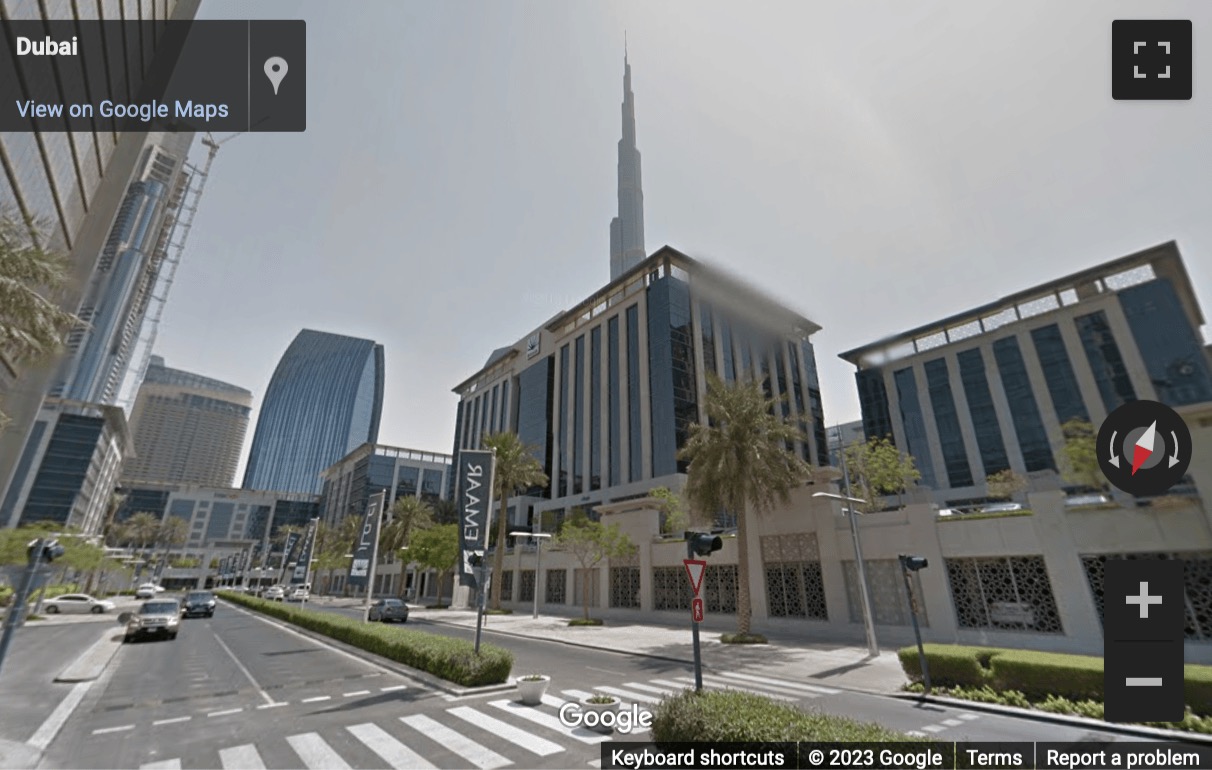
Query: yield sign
(695, 569)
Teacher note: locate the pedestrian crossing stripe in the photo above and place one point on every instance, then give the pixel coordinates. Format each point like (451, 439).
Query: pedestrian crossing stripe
(315, 753)
(245, 756)
(529, 741)
(393, 752)
(479, 756)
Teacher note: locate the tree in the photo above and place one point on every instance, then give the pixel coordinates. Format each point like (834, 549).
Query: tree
(112, 506)
(515, 471)
(172, 532)
(1079, 455)
(739, 462)
(31, 325)
(409, 515)
(437, 548)
(878, 468)
(591, 541)
(673, 507)
(1006, 484)
(143, 528)
(445, 512)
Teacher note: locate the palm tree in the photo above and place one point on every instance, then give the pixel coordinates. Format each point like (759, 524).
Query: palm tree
(409, 515)
(143, 528)
(445, 512)
(172, 532)
(515, 470)
(31, 326)
(739, 462)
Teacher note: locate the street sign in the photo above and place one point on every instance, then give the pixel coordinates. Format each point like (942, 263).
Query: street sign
(695, 568)
(696, 609)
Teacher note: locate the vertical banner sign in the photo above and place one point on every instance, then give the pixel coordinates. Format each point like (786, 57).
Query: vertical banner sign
(292, 546)
(365, 548)
(301, 567)
(475, 496)
(159, 570)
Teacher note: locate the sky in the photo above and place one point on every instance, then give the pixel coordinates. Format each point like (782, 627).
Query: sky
(874, 166)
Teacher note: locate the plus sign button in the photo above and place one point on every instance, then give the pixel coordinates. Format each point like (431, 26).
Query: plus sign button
(1151, 59)
(1143, 629)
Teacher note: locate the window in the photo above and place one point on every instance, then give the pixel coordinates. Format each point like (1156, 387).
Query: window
(595, 408)
(984, 415)
(563, 446)
(1106, 362)
(614, 448)
(946, 421)
(578, 409)
(1168, 342)
(873, 400)
(1037, 453)
(1058, 373)
(914, 424)
(635, 456)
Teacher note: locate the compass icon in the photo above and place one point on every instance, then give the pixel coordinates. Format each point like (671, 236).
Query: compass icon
(1144, 448)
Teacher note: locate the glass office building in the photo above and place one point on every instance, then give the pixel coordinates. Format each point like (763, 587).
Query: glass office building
(605, 393)
(988, 390)
(323, 401)
(372, 468)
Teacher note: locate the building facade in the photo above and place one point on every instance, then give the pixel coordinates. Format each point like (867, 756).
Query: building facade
(187, 428)
(988, 390)
(372, 468)
(323, 401)
(71, 466)
(844, 435)
(76, 183)
(605, 393)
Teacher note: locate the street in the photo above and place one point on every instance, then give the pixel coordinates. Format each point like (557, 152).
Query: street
(242, 691)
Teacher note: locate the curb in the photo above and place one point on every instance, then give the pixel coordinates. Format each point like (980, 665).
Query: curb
(94, 660)
(1142, 731)
(17, 754)
(650, 656)
(374, 659)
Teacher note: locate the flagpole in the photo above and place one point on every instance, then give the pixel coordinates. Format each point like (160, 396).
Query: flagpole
(374, 557)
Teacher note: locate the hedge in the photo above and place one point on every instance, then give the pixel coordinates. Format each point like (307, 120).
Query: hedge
(729, 716)
(454, 660)
(1035, 674)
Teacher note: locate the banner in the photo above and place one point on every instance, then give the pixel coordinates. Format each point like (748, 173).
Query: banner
(475, 502)
(288, 550)
(159, 570)
(309, 542)
(366, 547)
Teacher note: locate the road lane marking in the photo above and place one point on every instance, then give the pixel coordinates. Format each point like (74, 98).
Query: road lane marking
(163, 764)
(953, 722)
(933, 728)
(532, 743)
(393, 688)
(359, 692)
(224, 712)
(119, 729)
(480, 756)
(576, 694)
(50, 728)
(969, 717)
(315, 753)
(272, 705)
(782, 683)
(550, 722)
(649, 688)
(174, 720)
(241, 758)
(316, 699)
(240, 666)
(393, 752)
(916, 733)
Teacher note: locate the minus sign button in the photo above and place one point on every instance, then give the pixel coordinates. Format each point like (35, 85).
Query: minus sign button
(1144, 681)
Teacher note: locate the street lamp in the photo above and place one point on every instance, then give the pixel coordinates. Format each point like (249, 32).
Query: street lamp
(538, 568)
(873, 648)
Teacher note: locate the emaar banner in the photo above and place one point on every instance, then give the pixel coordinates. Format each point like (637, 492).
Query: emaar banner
(303, 565)
(475, 503)
(366, 547)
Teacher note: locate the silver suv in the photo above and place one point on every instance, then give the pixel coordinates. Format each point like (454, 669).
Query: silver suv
(158, 617)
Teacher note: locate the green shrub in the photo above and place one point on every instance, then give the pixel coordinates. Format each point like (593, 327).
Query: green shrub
(1040, 674)
(454, 660)
(951, 665)
(1197, 689)
(742, 639)
(730, 716)
(498, 612)
(584, 622)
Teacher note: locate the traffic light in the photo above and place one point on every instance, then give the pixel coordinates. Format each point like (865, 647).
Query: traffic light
(703, 543)
(50, 550)
(914, 563)
(476, 559)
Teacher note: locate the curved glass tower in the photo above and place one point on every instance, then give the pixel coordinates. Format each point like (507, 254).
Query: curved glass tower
(323, 401)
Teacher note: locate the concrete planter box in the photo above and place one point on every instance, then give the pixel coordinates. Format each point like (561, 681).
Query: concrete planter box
(532, 690)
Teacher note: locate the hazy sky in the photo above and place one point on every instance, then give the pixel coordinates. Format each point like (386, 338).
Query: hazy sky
(873, 165)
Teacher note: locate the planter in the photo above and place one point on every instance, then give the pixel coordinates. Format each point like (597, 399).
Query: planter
(599, 710)
(532, 688)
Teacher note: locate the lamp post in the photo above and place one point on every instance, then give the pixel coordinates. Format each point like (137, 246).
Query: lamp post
(539, 537)
(873, 648)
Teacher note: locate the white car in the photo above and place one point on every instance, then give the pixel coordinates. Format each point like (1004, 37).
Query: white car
(148, 591)
(300, 594)
(76, 603)
(275, 593)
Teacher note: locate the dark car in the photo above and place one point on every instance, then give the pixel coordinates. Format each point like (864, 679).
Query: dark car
(158, 617)
(198, 604)
(387, 610)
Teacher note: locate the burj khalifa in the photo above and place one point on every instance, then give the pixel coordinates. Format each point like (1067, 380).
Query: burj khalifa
(627, 229)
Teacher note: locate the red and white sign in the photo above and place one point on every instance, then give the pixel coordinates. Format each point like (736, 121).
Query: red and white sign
(695, 568)
(696, 609)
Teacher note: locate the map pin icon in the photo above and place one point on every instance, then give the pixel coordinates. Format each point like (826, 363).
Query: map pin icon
(275, 70)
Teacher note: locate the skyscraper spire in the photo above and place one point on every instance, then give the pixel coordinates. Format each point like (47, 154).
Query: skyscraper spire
(627, 229)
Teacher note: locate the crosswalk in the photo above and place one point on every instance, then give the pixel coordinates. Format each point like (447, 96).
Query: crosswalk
(493, 733)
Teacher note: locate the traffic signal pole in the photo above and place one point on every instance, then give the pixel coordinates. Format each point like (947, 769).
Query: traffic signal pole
(694, 629)
(13, 617)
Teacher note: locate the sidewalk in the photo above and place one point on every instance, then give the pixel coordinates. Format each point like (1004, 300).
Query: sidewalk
(834, 665)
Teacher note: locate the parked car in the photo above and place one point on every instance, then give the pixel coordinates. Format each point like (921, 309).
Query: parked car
(201, 603)
(300, 593)
(148, 591)
(387, 610)
(275, 593)
(77, 603)
(159, 617)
